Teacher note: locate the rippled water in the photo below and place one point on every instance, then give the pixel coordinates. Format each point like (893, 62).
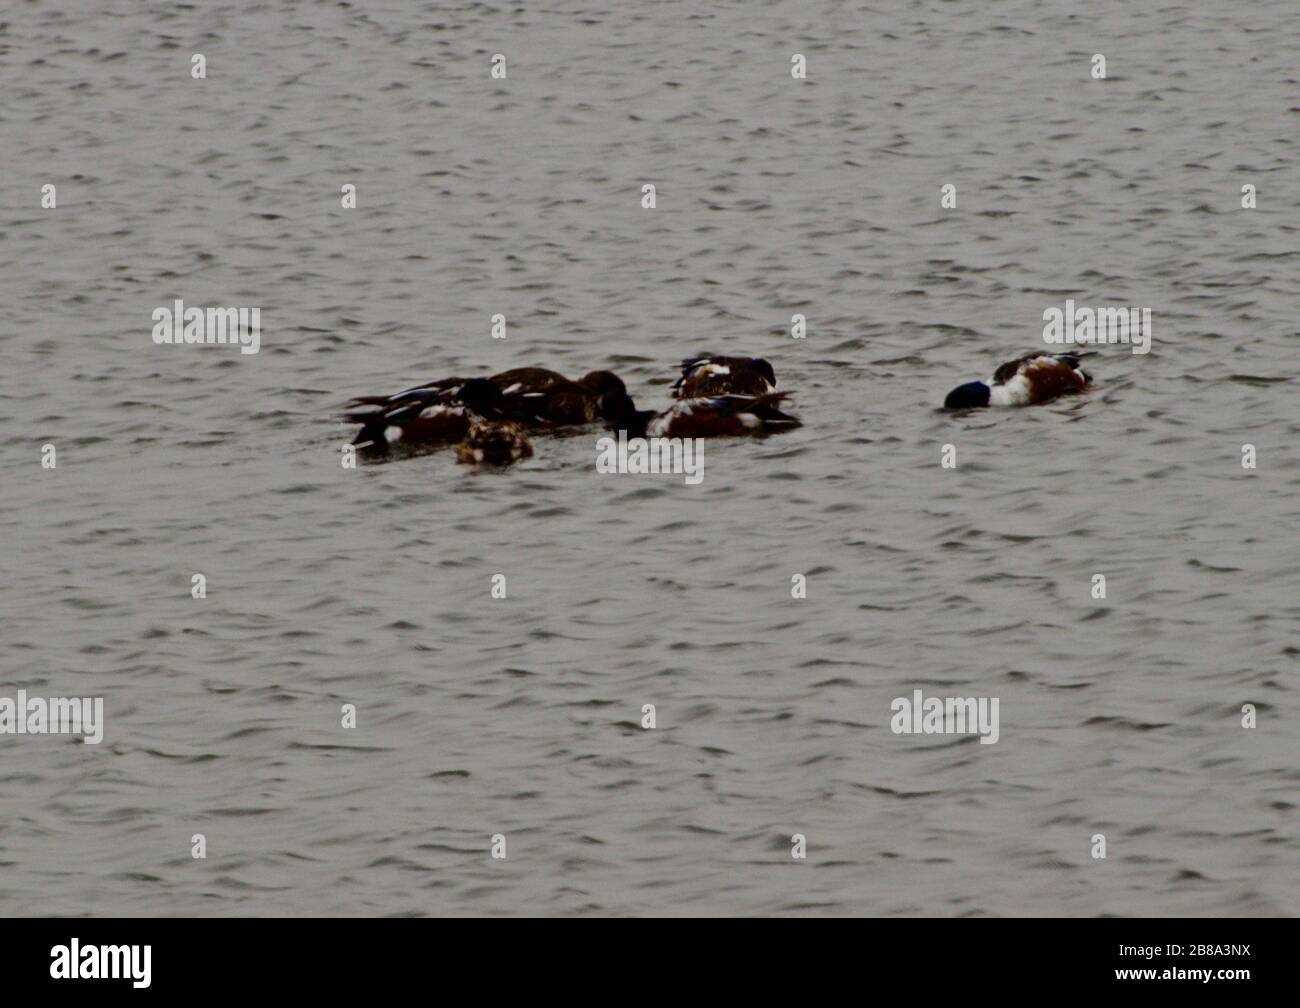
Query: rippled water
(520, 716)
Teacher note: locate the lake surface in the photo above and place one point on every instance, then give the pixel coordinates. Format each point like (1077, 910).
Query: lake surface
(522, 716)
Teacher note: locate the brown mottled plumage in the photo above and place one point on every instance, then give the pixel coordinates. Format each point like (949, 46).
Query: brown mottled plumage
(539, 397)
(492, 443)
(706, 375)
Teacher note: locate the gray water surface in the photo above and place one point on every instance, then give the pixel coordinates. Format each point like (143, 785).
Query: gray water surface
(521, 716)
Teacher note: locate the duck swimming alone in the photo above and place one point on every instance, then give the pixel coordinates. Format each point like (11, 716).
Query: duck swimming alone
(718, 416)
(707, 375)
(1028, 380)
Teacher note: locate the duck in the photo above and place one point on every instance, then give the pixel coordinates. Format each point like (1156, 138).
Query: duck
(531, 396)
(716, 416)
(540, 397)
(414, 419)
(493, 443)
(708, 374)
(1034, 378)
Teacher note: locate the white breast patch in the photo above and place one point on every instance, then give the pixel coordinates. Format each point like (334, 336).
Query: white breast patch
(1013, 393)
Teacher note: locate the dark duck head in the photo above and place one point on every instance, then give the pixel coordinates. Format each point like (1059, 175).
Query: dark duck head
(969, 396)
(619, 411)
(598, 383)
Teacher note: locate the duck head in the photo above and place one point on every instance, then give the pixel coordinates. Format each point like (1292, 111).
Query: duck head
(619, 411)
(764, 369)
(598, 383)
(969, 396)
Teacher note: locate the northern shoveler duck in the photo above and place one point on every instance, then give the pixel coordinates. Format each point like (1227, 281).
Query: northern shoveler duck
(538, 396)
(707, 375)
(717, 416)
(533, 397)
(418, 418)
(493, 444)
(1034, 378)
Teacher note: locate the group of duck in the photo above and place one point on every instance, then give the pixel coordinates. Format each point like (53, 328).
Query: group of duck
(489, 420)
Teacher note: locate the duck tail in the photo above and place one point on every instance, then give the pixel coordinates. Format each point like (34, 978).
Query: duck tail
(1073, 358)
(372, 429)
(375, 422)
(767, 406)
